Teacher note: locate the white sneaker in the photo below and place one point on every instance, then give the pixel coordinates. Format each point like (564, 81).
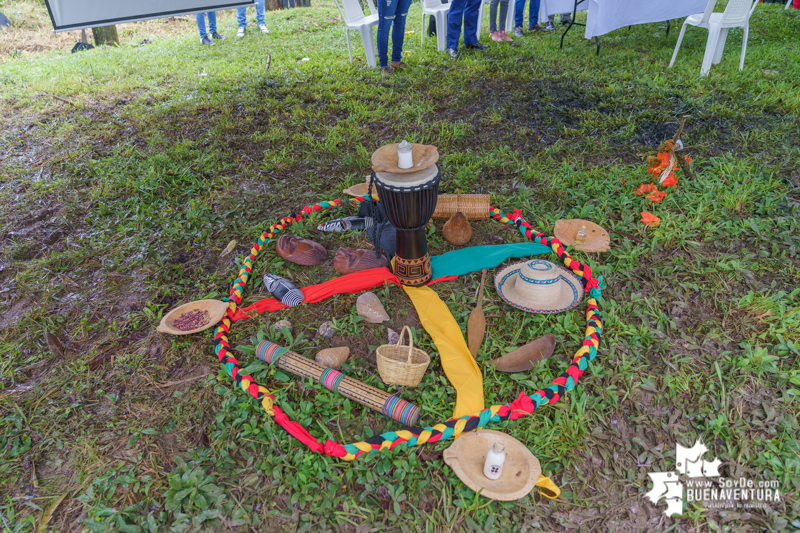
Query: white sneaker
(263, 28)
(240, 33)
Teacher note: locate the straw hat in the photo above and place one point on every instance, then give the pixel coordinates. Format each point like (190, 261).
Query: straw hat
(538, 286)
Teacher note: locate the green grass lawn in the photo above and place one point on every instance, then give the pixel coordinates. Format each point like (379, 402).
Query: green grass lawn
(124, 173)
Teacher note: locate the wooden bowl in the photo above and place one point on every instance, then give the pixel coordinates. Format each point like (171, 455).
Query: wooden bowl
(467, 455)
(360, 189)
(216, 310)
(357, 190)
(384, 159)
(597, 239)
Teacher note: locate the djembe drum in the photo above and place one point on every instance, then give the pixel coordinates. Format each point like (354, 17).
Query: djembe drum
(408, 199)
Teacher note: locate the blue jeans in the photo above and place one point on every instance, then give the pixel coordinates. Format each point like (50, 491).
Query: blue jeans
(468, 10)
(391, 13)
(212, 23)
(533, 16)
(241, 14)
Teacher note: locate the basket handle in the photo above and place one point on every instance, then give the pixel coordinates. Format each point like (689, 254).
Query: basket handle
(410, 342)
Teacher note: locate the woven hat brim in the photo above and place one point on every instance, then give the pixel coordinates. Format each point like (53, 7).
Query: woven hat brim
(507, 293)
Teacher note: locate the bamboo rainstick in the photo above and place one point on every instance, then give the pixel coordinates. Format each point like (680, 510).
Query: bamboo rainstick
(333, 380)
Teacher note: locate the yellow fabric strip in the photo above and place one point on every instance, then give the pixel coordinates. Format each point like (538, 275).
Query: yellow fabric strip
(457, 362)
(547, 488)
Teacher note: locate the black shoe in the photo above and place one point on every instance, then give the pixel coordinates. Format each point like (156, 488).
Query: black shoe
(217, 36)
(566, 21)
(477, 46)
(452, 52)
(538, 27)
(207, 41)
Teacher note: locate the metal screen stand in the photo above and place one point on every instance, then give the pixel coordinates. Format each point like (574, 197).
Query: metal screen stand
(573, 23)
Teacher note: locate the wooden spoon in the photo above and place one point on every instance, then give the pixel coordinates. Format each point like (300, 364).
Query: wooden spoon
(216, 310)
(476, 325)
(524, 358)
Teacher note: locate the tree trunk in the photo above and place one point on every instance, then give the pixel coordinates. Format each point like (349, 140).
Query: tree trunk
(105, 35)
(272, 5)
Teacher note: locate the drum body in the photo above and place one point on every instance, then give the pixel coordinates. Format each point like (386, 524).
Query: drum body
(408, 200)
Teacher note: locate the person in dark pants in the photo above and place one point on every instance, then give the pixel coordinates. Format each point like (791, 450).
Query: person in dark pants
(533, 17)
(392, 17)
(212, 27)
(468, 10)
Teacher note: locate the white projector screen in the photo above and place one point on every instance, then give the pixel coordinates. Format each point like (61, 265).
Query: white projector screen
(78, 14)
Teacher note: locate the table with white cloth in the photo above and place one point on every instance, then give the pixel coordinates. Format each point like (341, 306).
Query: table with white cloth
(608, 15)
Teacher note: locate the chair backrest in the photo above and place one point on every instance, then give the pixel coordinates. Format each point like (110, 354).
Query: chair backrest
(431, 4)
(739, 10)
(352, 10)
(709, 9)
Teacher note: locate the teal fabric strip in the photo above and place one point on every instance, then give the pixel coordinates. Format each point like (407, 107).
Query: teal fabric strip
(476, 258)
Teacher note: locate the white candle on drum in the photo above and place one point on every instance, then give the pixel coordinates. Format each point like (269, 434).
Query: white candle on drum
(494, 461)
(405, 158)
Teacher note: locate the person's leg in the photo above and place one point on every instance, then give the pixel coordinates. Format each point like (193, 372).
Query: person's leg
(241, 17)
(399, 30)
(503, 14)
(551, 23)
(386, 14)
(454, 23)
(565, 18)
(471, 12)
(260, 13)
(493, 16)
(212, 22)
(519, 7)
(533, 16)
(201, 24)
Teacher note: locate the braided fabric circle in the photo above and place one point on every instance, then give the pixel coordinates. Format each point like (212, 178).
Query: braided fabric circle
(522, 406)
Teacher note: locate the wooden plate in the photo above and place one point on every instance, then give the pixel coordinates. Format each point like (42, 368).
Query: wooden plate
(467, 455)
(597, 239)
(216, 310)
(384, 159)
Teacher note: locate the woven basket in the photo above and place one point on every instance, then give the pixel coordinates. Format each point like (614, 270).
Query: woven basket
(402, 365)
(472, 206)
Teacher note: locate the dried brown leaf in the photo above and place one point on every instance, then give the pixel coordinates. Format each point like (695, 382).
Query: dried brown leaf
(228, 249)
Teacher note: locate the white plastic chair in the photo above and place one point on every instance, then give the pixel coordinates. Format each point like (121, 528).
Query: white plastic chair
(736, 15)
(509, 17)
(438, 10)
(355, 19)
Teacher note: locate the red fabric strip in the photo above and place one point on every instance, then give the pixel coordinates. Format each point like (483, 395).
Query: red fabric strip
(349, 283)
(352, 283)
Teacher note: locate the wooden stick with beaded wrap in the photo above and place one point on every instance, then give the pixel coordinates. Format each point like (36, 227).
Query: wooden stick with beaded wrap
(396, 408)
(415, 436)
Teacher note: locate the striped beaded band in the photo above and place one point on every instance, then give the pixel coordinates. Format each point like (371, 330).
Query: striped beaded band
(401, 410)
(270, 352)
(330, 379)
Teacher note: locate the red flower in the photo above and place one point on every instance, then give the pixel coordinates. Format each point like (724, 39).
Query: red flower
(645, 188)
(515, 215)
(649, 219)
(663, 161)
(656, 197)
(670, 181)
